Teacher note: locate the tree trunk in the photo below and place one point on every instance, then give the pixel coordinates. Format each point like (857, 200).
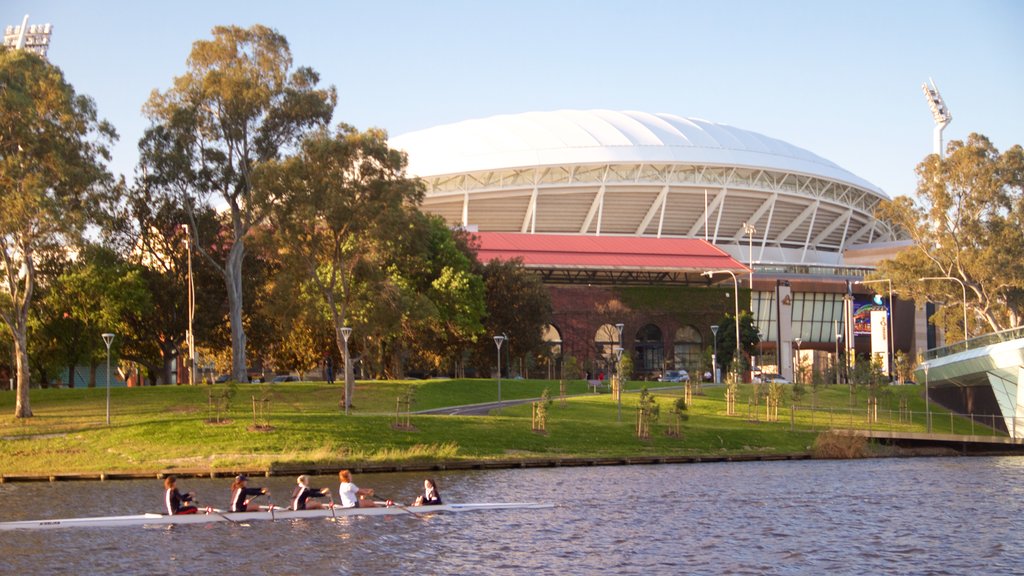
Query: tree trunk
(22, 408)
(71, 375)
(233, 278)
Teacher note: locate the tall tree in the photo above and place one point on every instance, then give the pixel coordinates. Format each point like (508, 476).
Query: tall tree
(239, 105)
(52, 150)
(332, 203)
(518, 306)
(967, 222)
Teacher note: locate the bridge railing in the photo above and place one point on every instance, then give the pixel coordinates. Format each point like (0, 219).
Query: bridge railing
(976, 342)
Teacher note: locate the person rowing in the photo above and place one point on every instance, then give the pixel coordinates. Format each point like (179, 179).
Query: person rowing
(430, 496)
(176, 502)
(353, 496)
(242, 496)
(302, 494)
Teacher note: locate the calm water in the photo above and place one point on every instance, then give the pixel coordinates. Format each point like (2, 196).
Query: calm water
(906, 516)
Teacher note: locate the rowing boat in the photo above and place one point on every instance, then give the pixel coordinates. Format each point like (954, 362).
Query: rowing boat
(243, 517)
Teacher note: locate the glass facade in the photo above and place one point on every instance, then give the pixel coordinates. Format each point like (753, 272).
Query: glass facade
(814, 315)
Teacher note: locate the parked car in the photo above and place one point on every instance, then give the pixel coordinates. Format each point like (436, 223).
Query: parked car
(223, 378)
(285, 378)
(675, 376)
(770, 379)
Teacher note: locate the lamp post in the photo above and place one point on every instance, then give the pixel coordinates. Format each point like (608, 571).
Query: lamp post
(796, 368)
(736, 304)
(714, 353)
(839, 336)
(498, 340)
(963, 288)
(927, 407)
(892, 320)
(346, 331)
(749, 230)
(616, 358)
(108, 338)
(190, 338)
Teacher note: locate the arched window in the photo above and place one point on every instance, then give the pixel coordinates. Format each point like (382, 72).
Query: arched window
(687, 348)
(553, 338)
(650, 350)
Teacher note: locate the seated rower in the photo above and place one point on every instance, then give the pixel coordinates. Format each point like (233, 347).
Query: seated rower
(353, 496)
(302, 494)
(178, 503)
(242, 495)
(430, 496)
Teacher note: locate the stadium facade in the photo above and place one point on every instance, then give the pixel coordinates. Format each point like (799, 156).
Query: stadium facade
(800, 229)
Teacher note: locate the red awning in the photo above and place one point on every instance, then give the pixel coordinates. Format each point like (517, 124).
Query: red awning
(606, 253)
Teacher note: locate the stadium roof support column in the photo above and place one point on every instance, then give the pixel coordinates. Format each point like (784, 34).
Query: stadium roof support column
(810, 230)
(657, 207)
(701, 222)
(530, 218)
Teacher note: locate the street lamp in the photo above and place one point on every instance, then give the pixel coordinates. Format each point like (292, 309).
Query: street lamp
(736, 304)
(190, 339)
(346, 331)
(108, 338)
(839, 336)
(749, 230)
(617, 357)
(796, 369)
(892, 331)
(498, 341)
(963, 288)
(927, 408)
(714, 354)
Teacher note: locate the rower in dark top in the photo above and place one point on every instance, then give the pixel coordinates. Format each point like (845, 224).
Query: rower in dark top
(241, 494)
(303, 493)
(430, 496)
(176, 502)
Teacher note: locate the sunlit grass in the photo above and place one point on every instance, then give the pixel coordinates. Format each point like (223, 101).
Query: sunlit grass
(169, 427)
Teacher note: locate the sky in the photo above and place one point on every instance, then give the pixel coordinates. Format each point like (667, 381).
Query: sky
(841, 79)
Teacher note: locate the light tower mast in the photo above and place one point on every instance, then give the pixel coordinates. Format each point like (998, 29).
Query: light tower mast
(34, 38)
(940, 112)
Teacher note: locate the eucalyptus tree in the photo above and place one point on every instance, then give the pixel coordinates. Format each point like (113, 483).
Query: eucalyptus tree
(331, 204)
(52, 154)
(518, 306)
(239, 104)
(966, 221)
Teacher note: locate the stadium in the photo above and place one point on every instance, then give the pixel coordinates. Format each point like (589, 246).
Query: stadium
(576, 193)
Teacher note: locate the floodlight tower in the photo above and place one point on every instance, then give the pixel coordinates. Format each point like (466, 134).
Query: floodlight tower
(34, 38)
(940, 112)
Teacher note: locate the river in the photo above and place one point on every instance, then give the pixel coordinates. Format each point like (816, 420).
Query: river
(879, 516)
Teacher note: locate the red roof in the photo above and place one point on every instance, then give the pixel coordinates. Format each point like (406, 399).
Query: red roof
(589, 252)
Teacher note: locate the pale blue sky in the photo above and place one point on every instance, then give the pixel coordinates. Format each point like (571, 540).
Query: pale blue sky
(841, 79)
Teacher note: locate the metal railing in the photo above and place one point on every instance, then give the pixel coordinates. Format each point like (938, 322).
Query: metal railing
(976, 342)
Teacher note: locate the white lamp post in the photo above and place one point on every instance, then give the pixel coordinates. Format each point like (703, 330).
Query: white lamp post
(796, 369)
(498, 341)
(714, 354)
(963, 289)
(616, 358)
(108, 338)
(346, 331)
(927, 408)
(190, 338)
(749, 230)
(736, 304)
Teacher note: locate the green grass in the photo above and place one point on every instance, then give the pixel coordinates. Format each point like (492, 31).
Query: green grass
(165, 428)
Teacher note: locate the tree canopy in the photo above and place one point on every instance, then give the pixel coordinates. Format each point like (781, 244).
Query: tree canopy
(52, 155)
(966, 221)
(239, 104)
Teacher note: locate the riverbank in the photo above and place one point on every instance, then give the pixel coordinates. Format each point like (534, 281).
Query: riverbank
(284, 429)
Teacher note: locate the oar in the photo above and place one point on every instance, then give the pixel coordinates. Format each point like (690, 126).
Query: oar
(403, 508)
(212, 510)
(334, 517)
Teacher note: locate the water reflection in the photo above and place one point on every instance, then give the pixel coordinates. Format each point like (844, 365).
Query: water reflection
(913, 516)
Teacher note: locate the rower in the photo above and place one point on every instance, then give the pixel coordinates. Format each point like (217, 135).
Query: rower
(430, 496)
(178, 503)
(303, 493)
(353, 496)
(242, 495)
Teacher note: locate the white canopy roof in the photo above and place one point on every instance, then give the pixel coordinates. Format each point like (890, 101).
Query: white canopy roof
(567, 137)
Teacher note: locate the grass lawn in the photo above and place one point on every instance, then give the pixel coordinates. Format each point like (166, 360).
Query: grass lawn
(169, 427)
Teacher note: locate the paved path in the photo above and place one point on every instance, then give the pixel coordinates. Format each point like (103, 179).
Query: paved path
(485, 408)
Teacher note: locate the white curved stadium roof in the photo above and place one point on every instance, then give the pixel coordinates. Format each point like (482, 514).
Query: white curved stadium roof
(566, 137)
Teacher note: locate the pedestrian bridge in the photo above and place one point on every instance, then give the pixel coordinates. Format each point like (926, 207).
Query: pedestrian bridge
(983, 369)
